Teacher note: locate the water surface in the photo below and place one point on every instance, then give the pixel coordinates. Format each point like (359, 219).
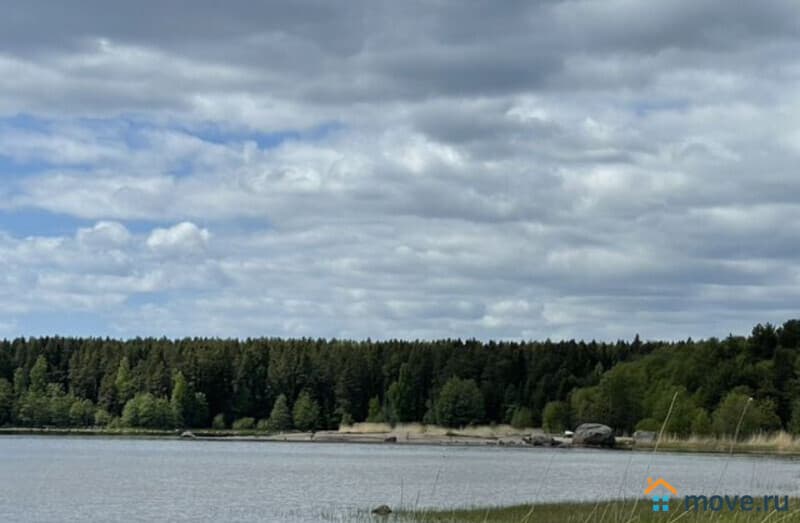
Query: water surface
(45, 479)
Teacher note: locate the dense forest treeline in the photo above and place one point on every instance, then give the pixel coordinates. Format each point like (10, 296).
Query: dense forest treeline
(307, 384)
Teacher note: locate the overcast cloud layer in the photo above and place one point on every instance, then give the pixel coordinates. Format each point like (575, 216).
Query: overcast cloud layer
(398, 169)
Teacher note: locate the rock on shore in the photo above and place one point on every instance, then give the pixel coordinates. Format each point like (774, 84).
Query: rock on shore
(593, 435)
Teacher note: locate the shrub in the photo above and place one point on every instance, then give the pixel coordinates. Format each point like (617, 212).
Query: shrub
(754, 415)
(147, 411)
(305, 412)
(280, 419)
(649, 425)
(102, 417)
(701, 423)
(555, 417)
(375, 414)
(81, 412)
(244, 424)
(218, 422)
(346, 420)
(459, 403)
(522, 418)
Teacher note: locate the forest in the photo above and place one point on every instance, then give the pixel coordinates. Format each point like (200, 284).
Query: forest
(307, 384)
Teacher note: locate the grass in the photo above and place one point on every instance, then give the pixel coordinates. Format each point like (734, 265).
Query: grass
(91, 431)
(779, 443)
(418, 429)
(638, 510)
(629, 511)
(127, 431)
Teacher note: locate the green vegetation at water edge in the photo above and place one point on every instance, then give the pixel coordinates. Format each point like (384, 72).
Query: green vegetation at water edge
(751, 383)
(602, 512)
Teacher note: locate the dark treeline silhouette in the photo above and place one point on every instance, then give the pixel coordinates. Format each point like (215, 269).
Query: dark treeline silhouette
(277, 384)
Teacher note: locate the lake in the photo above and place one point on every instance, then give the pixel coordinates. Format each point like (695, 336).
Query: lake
(115, 479)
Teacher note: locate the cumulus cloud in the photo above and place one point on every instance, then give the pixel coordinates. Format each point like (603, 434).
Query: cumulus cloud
(183, 238)
(104, 234)
(384, 169)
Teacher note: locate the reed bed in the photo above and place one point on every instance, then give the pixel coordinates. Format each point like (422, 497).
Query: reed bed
(781, 443)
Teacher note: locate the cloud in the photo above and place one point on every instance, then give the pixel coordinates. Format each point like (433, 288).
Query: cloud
(547, 169)
(183, 238)
(104, 235)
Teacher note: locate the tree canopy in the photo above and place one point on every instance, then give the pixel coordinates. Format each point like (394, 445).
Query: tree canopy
(147, 382)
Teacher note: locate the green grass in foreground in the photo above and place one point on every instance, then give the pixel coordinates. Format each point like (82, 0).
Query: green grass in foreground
(628, 511)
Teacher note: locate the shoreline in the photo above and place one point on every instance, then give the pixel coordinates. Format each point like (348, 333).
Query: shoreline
(714, 447)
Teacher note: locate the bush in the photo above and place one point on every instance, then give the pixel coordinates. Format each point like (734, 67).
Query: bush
(244, 424)
(555, 417)
(280, 419)
(794, 421)
(218, 422)
(701, 423)
(102, 417)
(459, 403)
(522, 418)
(305, 412)
(263, 425)
(347, 420)
(754, 415)
(34, 409)
(586, 406)
(375, 414)
(81, 413)
(649, 425)
(679, 419)
(147, 411)
(59, 407)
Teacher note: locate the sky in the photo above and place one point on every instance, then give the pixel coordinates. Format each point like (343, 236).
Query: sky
(497, 170)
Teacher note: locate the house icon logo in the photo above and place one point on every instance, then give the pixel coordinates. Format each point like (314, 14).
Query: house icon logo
(660, 501)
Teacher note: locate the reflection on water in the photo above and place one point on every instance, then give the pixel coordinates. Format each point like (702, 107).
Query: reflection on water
(106, 479)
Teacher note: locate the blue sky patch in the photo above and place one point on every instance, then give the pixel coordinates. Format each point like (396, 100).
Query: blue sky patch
(37, 222)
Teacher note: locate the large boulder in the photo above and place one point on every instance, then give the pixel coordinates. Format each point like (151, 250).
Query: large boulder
(593, 435)
(644, 436)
